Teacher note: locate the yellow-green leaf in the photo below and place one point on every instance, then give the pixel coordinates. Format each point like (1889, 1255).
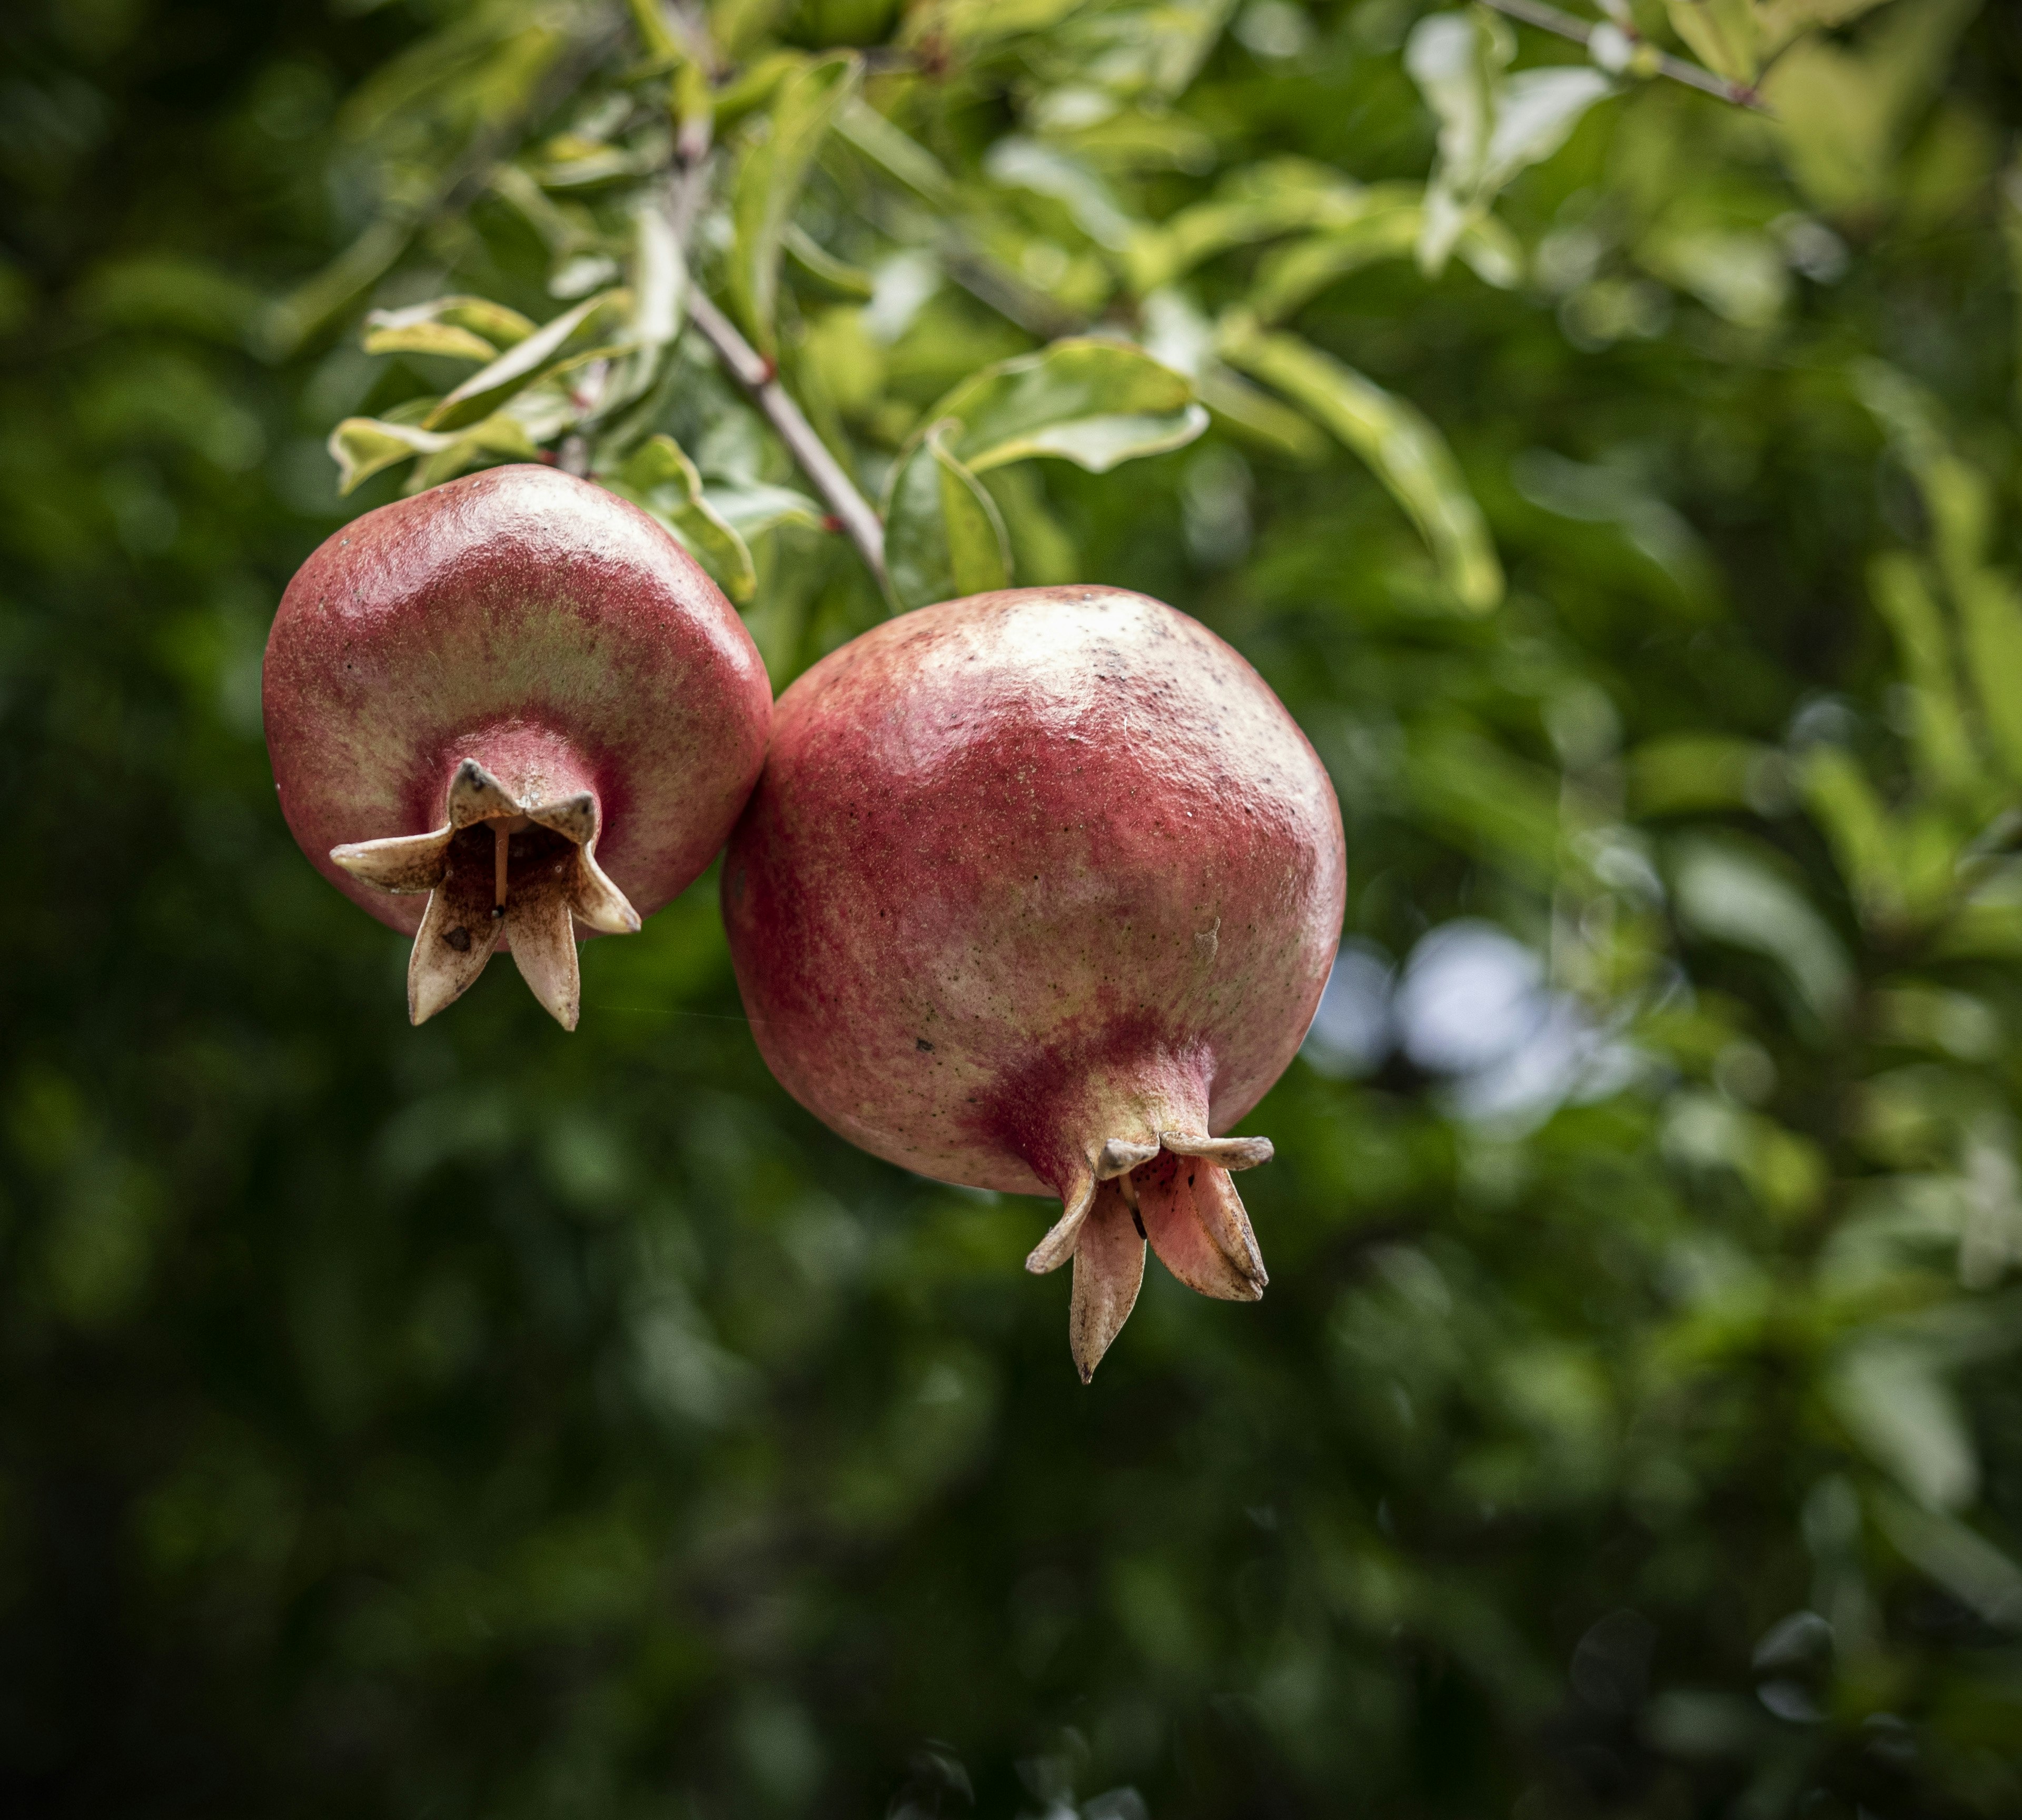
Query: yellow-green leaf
(944, 536)
(1399, 443)
(1092, 402)
(430, 338)
(658, 476)
(490, 387)
(769, 179)
(490, 322)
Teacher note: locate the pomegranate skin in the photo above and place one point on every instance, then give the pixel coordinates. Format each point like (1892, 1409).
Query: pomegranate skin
(522, 649)
(1028, 874)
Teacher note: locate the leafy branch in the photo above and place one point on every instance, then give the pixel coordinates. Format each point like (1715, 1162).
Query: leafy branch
(1618, 48)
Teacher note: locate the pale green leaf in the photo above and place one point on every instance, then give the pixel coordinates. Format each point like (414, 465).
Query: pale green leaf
(1724, 34)
(659, 276)
(1153, 50)
(1779, 21)
(1092, 402)
(1257, 417)
(1975, 1572)
(1399, 443)
(1843, 110)
(430, 338)
(1019, 163)
(363, 446)
(501, 434)
(1943, 748)
(1845, 805)
(971, 25)
(944, 536)
(1256, 202)
(490, 387)
(751, 508)
(1727, 894)
(895, 151)
(658, 476)
(1491, 125)
(1741, 276)
(1535, 113)
(491, 322)
(1990, 607)
(836, 276)
(1904, 1415)
(768, 183)
(1288, 277)
(1456, 59)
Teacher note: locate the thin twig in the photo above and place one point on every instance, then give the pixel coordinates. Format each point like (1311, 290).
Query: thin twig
(1550, 19)
(852, 512)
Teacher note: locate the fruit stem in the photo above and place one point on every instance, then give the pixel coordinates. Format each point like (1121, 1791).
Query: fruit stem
(501, 842)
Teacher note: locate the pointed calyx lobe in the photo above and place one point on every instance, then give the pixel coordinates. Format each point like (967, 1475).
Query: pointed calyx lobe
(1172, 1192)
(510, 711)
(1038, 893)
(522, 868)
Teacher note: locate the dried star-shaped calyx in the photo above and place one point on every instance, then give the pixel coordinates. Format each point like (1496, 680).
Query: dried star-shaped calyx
(527, 871)
(1175, 1194)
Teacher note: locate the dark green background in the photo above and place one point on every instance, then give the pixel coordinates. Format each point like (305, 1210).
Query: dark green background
(484, 1420)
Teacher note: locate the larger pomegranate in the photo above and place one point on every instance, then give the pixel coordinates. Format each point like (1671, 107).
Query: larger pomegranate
(1038, 893)
(516, 696)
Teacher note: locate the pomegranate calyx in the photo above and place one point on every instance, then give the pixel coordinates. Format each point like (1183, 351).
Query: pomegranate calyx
(1174, 1195)
(1224, 1153)
(477, 895)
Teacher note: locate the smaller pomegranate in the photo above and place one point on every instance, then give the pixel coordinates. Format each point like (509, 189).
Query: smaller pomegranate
(519, 694)
(1039, 892)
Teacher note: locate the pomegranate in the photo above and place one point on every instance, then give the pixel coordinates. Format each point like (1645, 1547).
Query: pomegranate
(1038, 893)
(516, 694)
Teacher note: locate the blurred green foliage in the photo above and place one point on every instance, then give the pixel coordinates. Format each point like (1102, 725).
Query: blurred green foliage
(1618, 484)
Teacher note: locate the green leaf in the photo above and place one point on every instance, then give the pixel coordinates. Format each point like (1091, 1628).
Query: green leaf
(1779, 21)
(1944, 750)
(658, 476)
(490, 322)
(836, 276)
(1897, 1405)
(1399, 443)
(751, 508)
(1153, 51)
(1845, 805)
(769, 179)
(1019, 163)
(1689, 773)
(1724, 35)
(1257, 417)
(944, 536)
(1092, 402)
(1257, 201)
(1723, 891)
(659, 275)
(970, 26)
(1491, 125)
(490, 387)
(1844, 110)
(1972, 1569)
(363, 446)
(430, 338)
(1288, 277)
(895, 151)
(1990, 620)
(500, 434)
